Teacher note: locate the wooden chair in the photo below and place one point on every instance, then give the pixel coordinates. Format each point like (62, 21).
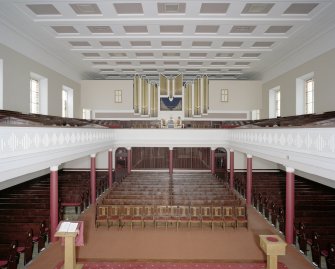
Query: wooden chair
(228, 217)
(184, 216)
(217, 216)
(113, 215)
(195, 215)
(149, 215)
(13, 257)
(206, 216)
(101, 215)
(172, 215)
(137, 215)
(126, 216)
(161, 215)
(241, 216)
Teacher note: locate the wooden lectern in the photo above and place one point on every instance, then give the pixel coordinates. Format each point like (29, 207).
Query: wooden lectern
(273, 246)
(69, 231)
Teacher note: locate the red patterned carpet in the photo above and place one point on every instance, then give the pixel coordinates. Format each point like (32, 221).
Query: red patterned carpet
(114, 265)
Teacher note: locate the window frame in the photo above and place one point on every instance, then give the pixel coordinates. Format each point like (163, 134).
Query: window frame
(35, 104)
(67, 107)
(117, 96)
(224, 95)
(309, 104)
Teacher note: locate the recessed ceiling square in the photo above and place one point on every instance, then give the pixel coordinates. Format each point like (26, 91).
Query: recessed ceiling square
(91, 54)
(242, 63)
(214, 70)
(198, 54)
(277, 29)
(232, 44)
(171, 54)
(225, 54)
(144, 54)
(99, 29)
(171, 43)
(107, 70)
(201, 43)
(148, 63)
(195, 63)
(110, 43)
(64, 29)
(43, 9)
(86, 9)
(250, 55)
(234, 70)
(171, 8)
(135, 29)
(118, 54)
(300, 8)
(242, 29)
(171, 63)
(97, 63)
(128, 8)
(257, 8)
(263, 44)
(216, 8)
(206, 29)
(123, 63)
(171, 28)
(80, 43)
(218, 63)
(140, 43)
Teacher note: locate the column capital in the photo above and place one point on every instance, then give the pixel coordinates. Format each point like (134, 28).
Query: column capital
(213, 148)
(170, 148)
(54, 168)
(93, 155)
(111, 149)
(249, 156)
(289, 169)
(128, 148)
(231, 150)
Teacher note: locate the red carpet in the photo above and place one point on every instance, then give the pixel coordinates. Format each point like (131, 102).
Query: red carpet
(115, 265)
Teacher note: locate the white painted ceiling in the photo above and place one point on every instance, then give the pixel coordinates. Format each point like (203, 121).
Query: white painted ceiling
(117, 39)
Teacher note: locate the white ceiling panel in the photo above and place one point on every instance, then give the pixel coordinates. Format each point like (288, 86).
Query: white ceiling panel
(159, 35)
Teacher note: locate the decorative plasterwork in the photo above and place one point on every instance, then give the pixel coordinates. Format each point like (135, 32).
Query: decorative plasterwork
(26, 150)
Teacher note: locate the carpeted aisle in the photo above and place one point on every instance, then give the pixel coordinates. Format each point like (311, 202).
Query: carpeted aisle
(111, 265)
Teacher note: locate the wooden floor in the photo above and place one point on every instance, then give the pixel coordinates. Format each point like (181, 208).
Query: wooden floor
(194, 244)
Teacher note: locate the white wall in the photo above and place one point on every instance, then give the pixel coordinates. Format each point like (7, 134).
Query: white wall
(16, 84)
(242, 95)
(323, 67)
(85, 163)
(99, 94)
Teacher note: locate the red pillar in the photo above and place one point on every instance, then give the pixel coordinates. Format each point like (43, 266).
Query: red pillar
(129, 160)
(213, 161)
(93, 179)
(110, 168)
(53, 202)
(289, 223)
(171, 161)
(249, 178)
(231, 179)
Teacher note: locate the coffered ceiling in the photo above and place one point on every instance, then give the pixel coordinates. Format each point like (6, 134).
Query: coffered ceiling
(117, 39)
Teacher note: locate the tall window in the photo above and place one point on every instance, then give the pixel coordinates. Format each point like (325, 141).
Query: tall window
(255, 114)
(224, 95)
(309, 96)
(274, 102)
(305, 94)
(277, 103)
(67, 102)
(86, 114)
(118, 96)
(34, 96)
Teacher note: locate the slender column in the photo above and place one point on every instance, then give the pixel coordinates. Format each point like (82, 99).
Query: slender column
(231, 179)
(171, 160)
(93, 179)
(213, 161)
(289, 222)
(129, 160)
(249, 178)
(53, 202)
(110, 174)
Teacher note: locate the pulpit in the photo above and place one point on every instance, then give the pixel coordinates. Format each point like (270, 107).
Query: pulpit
(273, 246)
(69, 232)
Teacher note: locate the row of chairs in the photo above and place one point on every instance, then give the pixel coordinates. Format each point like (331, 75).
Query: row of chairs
(110, 215)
